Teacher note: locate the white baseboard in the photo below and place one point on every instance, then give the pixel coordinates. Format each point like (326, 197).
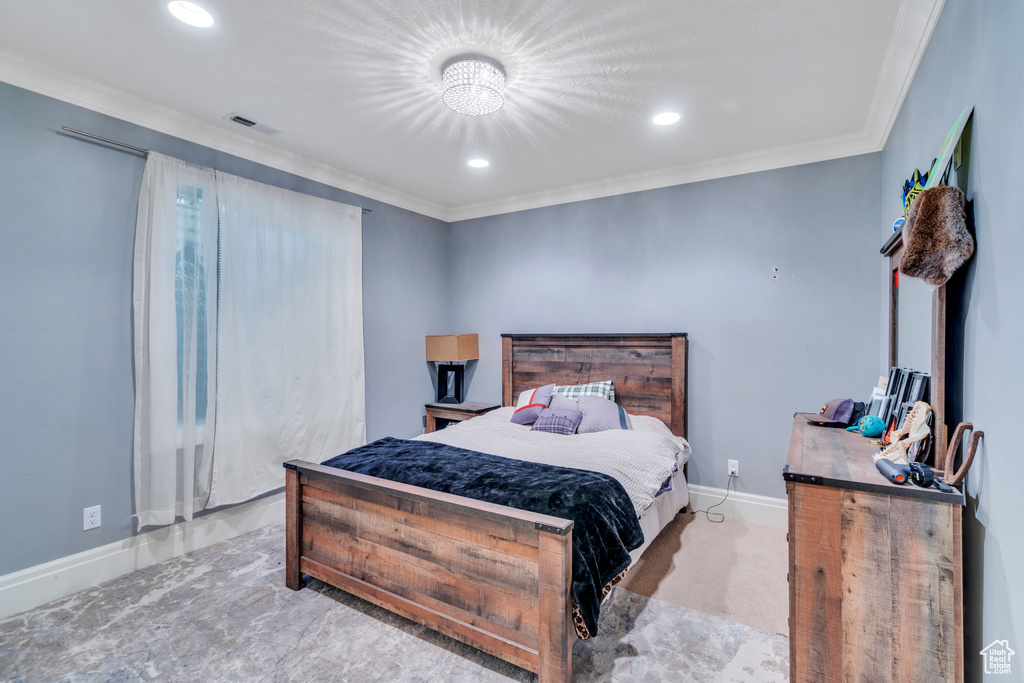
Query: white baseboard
(35, 586)
(773, 512)
(29, 588)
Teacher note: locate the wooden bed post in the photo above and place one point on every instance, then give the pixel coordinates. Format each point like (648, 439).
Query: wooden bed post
(506, 371)
(293, 529)
(557, 630)
(679, 347)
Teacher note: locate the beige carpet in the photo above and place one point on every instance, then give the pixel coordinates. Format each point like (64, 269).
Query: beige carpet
(734, 570)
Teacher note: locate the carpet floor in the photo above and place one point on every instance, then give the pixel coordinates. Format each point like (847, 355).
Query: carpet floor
(735, 570)
(224, 614)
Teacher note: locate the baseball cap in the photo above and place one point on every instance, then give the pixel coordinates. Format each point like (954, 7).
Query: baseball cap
(838, 411)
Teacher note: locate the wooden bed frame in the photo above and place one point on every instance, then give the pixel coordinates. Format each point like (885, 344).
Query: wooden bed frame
(491, 576)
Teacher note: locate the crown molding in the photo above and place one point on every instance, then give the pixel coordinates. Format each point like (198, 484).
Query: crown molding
(916, 20)
(31, 75)
(915, 23)
(781, 157)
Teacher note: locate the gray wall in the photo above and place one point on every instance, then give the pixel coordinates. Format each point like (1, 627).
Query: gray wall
(67, 221)
(699, 258)
(976, 57)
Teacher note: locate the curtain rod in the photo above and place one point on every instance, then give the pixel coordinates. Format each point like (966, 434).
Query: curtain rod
(140, 150)
(107, 140)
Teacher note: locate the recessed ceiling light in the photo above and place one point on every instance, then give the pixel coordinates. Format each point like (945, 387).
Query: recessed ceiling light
(479, 163)
(665, 118)
(191, 13)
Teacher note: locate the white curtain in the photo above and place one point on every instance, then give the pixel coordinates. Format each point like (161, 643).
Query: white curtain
(224, 397)
(174, 302)
(290, 364)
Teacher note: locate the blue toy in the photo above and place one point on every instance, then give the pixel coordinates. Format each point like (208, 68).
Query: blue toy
(869, 425)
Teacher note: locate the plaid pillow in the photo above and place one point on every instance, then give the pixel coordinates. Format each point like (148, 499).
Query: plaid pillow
(603, 389)
(558, 421)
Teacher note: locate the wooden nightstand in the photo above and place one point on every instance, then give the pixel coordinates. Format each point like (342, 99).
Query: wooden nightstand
(440, 414)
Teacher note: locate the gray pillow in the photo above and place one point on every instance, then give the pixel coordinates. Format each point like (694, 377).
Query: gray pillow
(600, 414)
(559, 402)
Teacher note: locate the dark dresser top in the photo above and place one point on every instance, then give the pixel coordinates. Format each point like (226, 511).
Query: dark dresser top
(832, 456)
(465, 407)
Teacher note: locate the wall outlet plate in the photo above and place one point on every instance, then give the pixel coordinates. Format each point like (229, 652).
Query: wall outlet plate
(91, 518)
(734, 468)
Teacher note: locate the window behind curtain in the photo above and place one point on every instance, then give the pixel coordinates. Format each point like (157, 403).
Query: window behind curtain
(174, 321)
(277, 275)
(190, 287)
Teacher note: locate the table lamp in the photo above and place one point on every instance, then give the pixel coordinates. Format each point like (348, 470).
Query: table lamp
(450, 352)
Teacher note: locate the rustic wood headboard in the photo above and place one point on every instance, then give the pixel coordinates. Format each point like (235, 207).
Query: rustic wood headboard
(649, 370)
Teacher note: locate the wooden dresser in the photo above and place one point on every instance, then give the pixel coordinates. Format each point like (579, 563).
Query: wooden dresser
(875, 569)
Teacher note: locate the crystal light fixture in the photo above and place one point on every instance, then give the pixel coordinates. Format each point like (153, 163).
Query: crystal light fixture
(473, 85)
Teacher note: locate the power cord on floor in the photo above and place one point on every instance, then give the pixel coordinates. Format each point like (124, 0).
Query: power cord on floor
(708, 513)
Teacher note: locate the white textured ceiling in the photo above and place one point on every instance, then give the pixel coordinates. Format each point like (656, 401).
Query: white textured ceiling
(355, 86)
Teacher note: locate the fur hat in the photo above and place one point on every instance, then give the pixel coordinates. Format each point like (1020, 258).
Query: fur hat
(935, 237)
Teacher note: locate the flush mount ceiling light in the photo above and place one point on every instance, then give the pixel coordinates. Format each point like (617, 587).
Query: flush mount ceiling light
(665, 118)
(191, 13)
(479, 163)
(473, 85)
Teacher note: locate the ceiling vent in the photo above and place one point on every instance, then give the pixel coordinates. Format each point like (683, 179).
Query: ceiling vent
(242, 120)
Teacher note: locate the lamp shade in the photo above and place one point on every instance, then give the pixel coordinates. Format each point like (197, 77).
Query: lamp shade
(452, 348)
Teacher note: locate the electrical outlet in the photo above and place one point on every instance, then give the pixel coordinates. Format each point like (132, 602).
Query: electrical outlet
(734, 468)
(91, 518)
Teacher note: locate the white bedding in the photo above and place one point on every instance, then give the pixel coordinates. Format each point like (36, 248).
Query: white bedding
(641, 459)
(665, 508)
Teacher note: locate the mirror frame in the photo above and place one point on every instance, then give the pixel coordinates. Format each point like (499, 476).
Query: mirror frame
(893, 248)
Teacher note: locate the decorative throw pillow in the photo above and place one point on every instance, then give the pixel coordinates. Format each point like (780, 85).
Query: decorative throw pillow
(558, 421)
(600, 414)
(603, 389)
(531, 403)
(559, 402)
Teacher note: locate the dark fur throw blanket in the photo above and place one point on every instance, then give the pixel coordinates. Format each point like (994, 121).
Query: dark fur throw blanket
(605, 524)
(935, 237)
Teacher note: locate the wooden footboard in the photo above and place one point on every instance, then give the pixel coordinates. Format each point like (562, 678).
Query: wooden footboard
(491, 576)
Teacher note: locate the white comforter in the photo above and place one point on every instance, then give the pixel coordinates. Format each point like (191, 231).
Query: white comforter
(641, 459)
